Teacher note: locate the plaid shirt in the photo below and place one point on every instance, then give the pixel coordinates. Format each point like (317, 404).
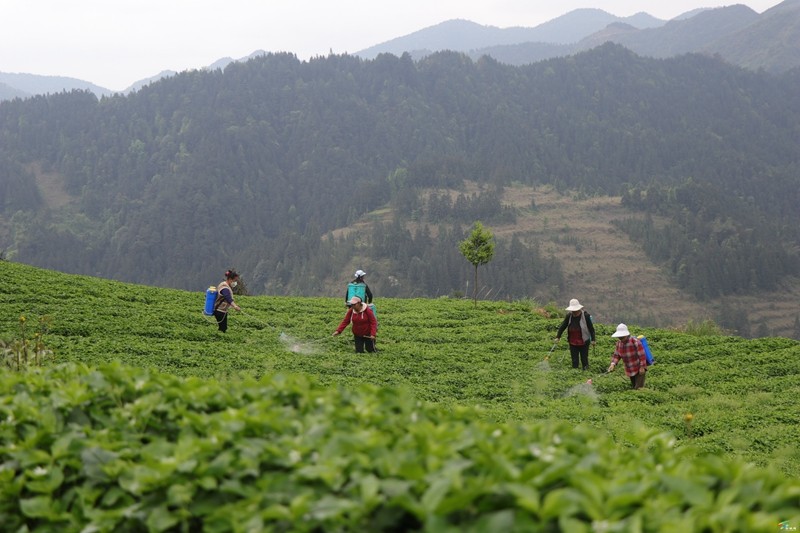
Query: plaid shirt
(632, 354)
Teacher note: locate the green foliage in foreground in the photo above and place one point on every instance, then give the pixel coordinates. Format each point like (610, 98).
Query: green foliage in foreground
(722, 399)
(125, 449)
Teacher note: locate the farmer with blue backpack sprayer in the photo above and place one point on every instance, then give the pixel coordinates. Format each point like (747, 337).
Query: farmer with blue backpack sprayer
(224, 299)
(631, 351)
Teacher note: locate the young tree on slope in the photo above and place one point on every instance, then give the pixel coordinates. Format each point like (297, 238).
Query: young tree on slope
(478, 248)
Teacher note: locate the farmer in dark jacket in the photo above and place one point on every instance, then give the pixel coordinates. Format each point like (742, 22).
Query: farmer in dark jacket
(580, 333)
(225, 299)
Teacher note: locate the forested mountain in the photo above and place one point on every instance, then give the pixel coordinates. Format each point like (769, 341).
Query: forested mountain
(262, 165)
(769, 41)
(749, 48)
(678, 36)
(451, 35)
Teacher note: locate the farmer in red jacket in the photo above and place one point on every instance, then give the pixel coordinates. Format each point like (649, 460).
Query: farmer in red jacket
(365, 326)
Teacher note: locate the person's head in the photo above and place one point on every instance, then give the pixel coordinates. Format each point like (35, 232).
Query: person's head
(232, 276)
(360, 274)
(355, 301)
(622, 333)
(574, 307)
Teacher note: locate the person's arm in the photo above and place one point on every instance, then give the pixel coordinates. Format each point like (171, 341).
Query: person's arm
(345, 322)
(228, 295)
(614, 359)
(590, 325)
(368, 293)
(562, 327)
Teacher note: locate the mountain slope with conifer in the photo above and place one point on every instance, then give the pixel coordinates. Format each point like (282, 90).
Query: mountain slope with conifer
(259, 165)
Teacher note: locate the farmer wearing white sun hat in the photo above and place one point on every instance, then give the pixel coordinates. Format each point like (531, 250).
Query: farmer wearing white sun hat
(580, 333)
(631, 351)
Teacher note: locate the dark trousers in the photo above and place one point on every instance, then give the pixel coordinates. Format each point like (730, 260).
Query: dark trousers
(363, 342)
(637, 381)
(582, 352)
(222, 320)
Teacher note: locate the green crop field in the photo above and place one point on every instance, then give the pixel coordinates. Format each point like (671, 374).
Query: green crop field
(682, 447)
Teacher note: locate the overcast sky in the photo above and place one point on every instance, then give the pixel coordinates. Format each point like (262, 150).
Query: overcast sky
(114, 43)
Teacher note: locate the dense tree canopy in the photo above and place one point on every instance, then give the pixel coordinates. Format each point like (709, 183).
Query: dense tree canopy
(253, 165)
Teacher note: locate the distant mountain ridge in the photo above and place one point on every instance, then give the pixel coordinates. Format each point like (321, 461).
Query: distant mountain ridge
(769, 41)
(466, 36)
(141, 83)
(695, 34)
(750, 47)
(25, 85)
(18, 85)
(7, 92)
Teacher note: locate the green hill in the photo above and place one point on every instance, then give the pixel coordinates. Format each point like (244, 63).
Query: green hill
(480, 371)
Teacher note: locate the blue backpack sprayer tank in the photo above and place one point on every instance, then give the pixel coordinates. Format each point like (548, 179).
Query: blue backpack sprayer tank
(211, 298)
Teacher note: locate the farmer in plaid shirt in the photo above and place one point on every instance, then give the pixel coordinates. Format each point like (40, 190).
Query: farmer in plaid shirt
(631, 351)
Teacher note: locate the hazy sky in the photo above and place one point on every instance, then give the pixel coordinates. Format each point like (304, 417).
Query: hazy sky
(114, 43)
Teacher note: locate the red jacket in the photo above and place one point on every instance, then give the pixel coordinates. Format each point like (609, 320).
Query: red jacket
(364, 323)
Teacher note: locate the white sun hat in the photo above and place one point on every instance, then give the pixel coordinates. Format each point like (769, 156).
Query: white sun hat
(360, 273)
(622, 331)
(574, 305)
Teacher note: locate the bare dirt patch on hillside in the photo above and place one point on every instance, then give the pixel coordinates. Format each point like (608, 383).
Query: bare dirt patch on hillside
(605, 270)
(51, 187)
(614, 278)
